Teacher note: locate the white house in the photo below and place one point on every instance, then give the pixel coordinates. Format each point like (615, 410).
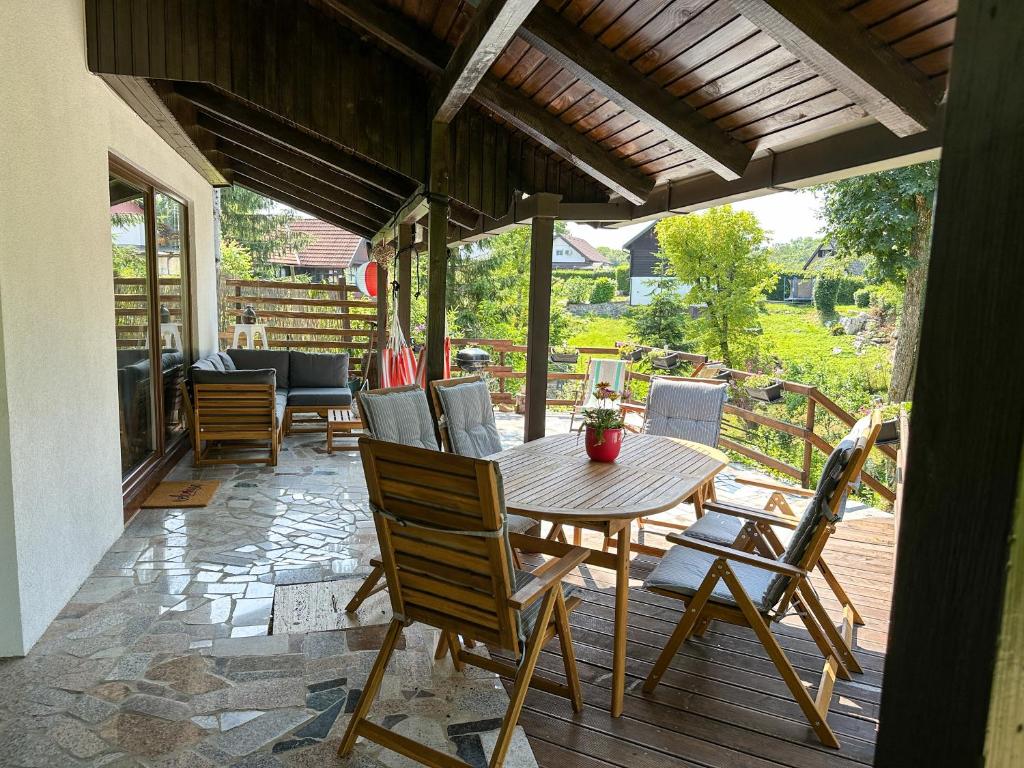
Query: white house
(568, 252)
(644, 275)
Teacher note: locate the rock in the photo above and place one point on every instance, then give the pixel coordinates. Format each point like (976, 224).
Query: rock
(855, 324)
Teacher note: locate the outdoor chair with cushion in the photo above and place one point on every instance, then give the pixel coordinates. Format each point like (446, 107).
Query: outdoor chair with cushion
(754, 588)
(448, 558)
(600, 370)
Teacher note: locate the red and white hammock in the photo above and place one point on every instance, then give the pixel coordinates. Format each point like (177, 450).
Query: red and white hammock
(398, 361)
(421, 369)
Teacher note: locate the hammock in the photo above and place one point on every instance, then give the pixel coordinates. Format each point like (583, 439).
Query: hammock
(398, 361)
(421, 369)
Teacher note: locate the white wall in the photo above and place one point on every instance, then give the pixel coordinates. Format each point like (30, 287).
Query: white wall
(641, 289)
(60, 479)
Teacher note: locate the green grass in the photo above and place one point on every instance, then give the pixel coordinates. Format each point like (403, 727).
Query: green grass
(600, 332)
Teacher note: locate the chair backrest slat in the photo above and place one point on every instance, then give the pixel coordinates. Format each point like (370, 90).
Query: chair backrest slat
(440, 523)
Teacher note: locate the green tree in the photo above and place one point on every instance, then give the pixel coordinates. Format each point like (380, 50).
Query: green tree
(235, 261)
(259, 226)
(792, 254)
(888, 216)
(661, 322)
(718, 254)
(615, 256)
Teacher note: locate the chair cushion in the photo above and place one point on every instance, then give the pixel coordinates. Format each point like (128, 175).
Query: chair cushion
(399, 417)
(319, 396)
(717, 528)
(682, 570)
(258, 376)
(520, 523)
(600, 371)
(250, 359)
(226, 361)
(528, 616)
(469, 417)
(685, 409)
(308, 369)
(280, 404)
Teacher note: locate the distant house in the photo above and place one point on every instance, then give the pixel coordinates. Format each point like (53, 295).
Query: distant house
(569, 252)
(331, 252)
(644, 271)
(801, 289)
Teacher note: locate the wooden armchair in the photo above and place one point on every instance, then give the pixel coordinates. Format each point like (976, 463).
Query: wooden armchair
(236, 422)
(755, 588)
(448, 561)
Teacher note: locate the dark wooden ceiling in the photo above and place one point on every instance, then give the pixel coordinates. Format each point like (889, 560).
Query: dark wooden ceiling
(326, 104)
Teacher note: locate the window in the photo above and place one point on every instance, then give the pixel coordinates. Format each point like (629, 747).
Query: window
(153, 329)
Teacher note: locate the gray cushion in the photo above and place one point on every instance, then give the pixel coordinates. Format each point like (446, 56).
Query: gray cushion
(264, 376)
(469, 418)
(319, 396)
(685, 409)
(520, 523)
(528, 616)
(399, 417)
(226, 361)
(253, 359)
(682, 570)
(280, 403)
(307, 369)
(717, 528)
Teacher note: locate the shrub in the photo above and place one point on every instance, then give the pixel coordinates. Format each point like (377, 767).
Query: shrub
(662, 323)
(862, 297)
(577, 291)
(583, 274)
(887, 299)
(622, 278)
(826, 290)
(603, 291)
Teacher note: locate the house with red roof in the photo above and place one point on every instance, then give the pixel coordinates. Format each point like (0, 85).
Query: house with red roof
(330, 253)
(568, 252)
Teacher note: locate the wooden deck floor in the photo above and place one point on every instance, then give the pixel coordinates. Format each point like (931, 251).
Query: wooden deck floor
(722, 703)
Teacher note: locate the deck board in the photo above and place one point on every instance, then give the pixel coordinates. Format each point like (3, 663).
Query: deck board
(721, 704)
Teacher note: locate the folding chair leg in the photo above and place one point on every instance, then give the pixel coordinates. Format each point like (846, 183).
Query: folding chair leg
(685, 627)
(442, 646)
(522, 683)
(842, 648)
(781, 662)
(840, 593)
(371, 687)
(454, 647)
(369, 587)
(820, 639)
(572, 674)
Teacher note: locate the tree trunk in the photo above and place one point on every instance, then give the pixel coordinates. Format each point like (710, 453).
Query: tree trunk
(904, 361)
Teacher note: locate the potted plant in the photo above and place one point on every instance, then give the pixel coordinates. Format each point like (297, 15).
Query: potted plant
(666, 361)
(763, 387)
(889, 432)
(563, 355)
(631, 352)
(603, 425)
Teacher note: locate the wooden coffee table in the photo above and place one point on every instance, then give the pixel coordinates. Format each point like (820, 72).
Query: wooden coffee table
(342, 420)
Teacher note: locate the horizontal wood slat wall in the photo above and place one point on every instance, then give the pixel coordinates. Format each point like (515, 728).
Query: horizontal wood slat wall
(131, 308)
(311, 317)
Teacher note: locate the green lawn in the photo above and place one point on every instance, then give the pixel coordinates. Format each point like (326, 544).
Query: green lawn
(600, 332)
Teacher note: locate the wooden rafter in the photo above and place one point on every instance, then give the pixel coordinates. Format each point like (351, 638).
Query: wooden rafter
(591, 63)
(491, 28)
(548, 130)
(831, 41)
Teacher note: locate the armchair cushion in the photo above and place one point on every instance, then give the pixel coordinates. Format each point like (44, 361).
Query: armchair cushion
(260, 376)
(717, 528)
(528, 616)
(250, 359)
(685, 409)
(307, 369)
(399, 417)
(319, 396)
(682, 570)
(469, 418)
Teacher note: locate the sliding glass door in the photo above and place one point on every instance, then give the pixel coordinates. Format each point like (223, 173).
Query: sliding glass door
(153, 330)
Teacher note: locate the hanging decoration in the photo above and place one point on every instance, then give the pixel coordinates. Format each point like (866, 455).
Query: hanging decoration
(366, 279)
(398, 361)
(383, 254)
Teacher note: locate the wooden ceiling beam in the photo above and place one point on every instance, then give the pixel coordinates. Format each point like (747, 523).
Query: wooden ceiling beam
(518, 110)
(233, 111)
(492, 27)
(357, 196)
(591, 63)
(832, 42)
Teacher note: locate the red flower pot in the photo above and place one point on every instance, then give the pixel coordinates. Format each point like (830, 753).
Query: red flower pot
(607, 449)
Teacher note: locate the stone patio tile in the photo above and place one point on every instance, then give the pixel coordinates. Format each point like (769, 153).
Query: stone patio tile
(258, 732)
(149, 736)
(263, 645)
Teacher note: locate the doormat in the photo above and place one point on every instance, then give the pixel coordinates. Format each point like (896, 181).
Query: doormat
(195, 493)
(320, 607)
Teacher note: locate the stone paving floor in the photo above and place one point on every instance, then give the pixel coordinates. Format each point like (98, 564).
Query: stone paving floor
(163, 658)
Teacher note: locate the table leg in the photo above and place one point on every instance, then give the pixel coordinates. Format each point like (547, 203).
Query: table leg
(621, 619)
(330, 439)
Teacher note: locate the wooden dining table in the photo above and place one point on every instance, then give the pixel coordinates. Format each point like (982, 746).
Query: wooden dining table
(553, 480)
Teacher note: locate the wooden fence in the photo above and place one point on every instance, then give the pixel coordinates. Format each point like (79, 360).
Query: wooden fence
(313, 317)
(131, 308)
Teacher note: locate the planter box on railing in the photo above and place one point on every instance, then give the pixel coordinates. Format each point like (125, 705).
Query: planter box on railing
(771, 394)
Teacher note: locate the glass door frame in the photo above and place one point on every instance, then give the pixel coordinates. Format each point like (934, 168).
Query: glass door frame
(140, 480)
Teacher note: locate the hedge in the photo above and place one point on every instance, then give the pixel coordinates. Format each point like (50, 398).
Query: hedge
(586, 274)
(845, 285)
(622, 278)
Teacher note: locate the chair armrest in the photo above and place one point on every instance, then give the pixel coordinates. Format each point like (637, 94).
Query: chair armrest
(748, 513)
(738, 556)
(632, 407)
(771, 485)
(548, 575)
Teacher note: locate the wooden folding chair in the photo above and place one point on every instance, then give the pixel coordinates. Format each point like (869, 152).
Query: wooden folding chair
(754, 588)
(448, 561)
(611, 370)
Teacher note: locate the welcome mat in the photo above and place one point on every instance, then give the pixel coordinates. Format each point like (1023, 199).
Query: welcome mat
(194, 493)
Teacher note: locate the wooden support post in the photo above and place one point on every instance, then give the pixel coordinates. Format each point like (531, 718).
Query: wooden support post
(404, 268)
(953, 682)
(539, 318)
(437, 246)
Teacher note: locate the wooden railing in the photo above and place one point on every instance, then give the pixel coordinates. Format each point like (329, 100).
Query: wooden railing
(131, 308)
(314, 317)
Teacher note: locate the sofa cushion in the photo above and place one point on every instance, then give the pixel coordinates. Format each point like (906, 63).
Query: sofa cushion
(258, 376)
(226, 361)
(317, 396)
(309, 369)
(253, 359)
(280, 404)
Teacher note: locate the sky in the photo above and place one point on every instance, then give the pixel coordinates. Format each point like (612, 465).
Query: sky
(784, 215)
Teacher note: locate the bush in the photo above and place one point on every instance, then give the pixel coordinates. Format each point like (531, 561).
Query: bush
(603, 291)
(862, 297)
(887, 299)
(583, 274)
(662, 323)
(826, 289)
(622, 278)
(577, 291)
